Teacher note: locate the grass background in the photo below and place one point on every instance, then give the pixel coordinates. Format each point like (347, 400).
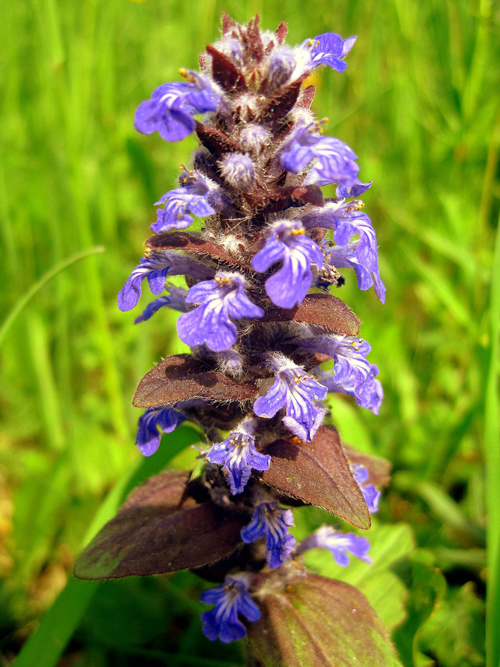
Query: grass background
(420, 104)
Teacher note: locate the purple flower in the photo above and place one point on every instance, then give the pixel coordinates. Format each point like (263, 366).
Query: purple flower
(194, 196)
(347, 221)
(338, 543)
(299, 393)
(369, 491)
(238, 170)
(272, 521)
(371, 397)
(230, 599)
(171, 107)
(238, 455)
(352, 370)
(221, 300)
(287, 241)
(334, 160)
(329, 49)
(155, 268)
(354, 191)
(148, 437)
(282, 65)
(176, 299)
(254, 137)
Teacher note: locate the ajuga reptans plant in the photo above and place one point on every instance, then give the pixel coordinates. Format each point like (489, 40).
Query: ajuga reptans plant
(258, 315)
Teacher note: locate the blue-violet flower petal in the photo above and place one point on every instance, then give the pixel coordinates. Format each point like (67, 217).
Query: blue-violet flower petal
(287, 242)
(271, 521)
(148, 436)
(230, 599)
(238, 455)
(220, 301)
(299, 393)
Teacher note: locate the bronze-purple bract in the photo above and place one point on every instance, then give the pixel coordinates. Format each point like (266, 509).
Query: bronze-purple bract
(317, 473)
(321, 310)
(310, 620)
(161, 528)
(183, 377)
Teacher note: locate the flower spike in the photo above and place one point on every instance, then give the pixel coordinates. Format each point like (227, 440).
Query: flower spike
(259, 321)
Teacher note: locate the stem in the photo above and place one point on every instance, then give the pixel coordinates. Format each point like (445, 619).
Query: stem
(47, 277)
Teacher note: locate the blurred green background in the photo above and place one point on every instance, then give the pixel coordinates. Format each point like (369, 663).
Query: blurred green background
(420, 105)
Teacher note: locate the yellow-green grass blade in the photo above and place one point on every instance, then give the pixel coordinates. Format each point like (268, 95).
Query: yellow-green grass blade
(492, 456)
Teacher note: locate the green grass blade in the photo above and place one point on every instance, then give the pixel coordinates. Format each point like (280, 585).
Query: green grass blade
(45, 647)
(47, 277)
(492, 456)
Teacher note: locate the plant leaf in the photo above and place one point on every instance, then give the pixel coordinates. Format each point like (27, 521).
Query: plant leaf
(322, 310)
(161, 528)
(287, 197)
(318, 622)
(426, 586)
(216, 141)
(182, 377)
(378, 583)
(192, 243)
(225, 73)
(318, 473)
(282, 102)
(307, 97)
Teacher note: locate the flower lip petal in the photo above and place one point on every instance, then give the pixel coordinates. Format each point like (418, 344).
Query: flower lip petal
(287, 241)
(219, 301)
(238, 455)
(230, 599)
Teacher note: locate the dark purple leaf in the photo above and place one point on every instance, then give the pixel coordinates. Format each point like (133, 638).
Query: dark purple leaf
(282, 198)
(279, 105)
(378, 468)
(281, 32)
(306, 97)
(311, 621)
(192, 243)
(227, 24)
(161, 528)
(322, 310)
(317, 473)
(311, 194)
(216, 141)
(254, 40)
(182, 377)
(225, 73)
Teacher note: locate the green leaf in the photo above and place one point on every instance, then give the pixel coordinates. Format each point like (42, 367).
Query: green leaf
(313, 621)
(47, 277)
(426, 585)
(454, 634)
